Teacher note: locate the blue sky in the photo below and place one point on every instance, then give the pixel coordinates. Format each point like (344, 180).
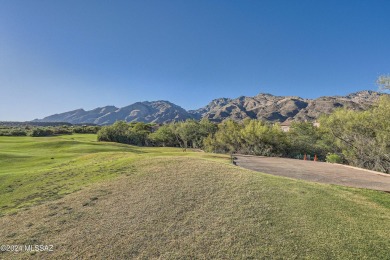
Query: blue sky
(57, 56)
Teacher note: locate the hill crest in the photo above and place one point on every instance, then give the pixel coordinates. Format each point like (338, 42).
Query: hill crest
(263, 106)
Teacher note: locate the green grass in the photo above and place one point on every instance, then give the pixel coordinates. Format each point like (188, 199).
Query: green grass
(144, 203)
(37, 169)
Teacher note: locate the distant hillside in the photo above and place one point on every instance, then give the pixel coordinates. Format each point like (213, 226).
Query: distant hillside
(156, 111)
(263, 106)
(281, 108)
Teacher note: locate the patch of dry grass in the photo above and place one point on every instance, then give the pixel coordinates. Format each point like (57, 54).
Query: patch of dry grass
(34, 170)
(186, 207)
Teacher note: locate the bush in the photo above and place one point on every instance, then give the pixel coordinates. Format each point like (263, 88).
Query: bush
(122, 132)
(164, 136)
(4, 133)
(334, 158)
(38, 132)
(305, 138)
(62, 131)
(248, 137)
(12, 132)
(86, 129)
(18, 132)
(362, 137)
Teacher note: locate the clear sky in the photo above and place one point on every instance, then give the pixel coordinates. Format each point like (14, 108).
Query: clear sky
(57, 56)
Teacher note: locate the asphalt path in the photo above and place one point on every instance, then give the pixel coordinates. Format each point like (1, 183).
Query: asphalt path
(316, 172)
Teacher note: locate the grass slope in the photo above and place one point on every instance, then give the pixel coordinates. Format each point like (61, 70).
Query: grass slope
(167, 204)
(35, 170)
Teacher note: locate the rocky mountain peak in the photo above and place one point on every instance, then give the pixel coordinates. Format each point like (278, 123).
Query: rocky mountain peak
(262, 106)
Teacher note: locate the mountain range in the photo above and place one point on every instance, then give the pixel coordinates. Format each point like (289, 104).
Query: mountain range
(262, 106)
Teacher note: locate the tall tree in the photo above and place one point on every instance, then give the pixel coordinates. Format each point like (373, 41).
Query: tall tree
(363, 137)
(384, 82)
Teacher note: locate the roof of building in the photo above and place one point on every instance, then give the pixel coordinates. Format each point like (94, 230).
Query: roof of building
(286, 123)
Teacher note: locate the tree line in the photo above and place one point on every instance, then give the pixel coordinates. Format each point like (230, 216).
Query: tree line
(40, 131)
(360, 138)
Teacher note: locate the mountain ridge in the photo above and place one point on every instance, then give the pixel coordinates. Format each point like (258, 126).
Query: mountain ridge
(263, 106)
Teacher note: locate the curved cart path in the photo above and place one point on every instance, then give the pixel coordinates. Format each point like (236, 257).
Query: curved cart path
(316, 171)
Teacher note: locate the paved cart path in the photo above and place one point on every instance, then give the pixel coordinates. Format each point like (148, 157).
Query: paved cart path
(316, 171)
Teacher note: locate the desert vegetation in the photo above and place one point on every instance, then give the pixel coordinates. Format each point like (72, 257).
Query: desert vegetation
(81, 195)
(42, 129)
(175, 130)
(359, 138)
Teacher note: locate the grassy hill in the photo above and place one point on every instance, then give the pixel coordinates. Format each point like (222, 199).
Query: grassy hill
(110, 200)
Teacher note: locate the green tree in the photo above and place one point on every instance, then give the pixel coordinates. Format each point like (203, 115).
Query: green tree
(164, 136)
(38, 132)
(305, 138)
(186, 133)
(226, 139)
(363, 137)
(383, 82)
(122, 132)
(261, 138)
(203, 129)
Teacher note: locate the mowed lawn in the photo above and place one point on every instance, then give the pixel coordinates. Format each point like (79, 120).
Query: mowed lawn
(105, 200)
(37, 169)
